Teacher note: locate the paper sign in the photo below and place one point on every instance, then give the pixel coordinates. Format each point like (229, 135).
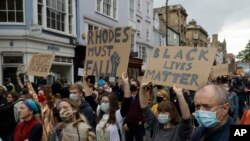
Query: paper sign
(186, 67)
(220, 70)
(80, 71)
(40, 64)
(107, 52)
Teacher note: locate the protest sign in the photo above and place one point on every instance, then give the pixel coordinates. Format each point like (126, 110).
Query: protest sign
(40, 64)
(220, 70)
(107, 52)
(80, 71)
(186, 67)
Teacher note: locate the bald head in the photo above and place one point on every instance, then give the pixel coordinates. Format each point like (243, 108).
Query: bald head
(213, 92)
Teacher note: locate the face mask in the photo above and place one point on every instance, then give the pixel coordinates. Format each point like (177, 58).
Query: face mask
(133, 97)
(66, 114)
(104, 107)
(206, 119)
(163, 118)
(41, 98)
(74, 97)
(133, 88)
(226, 88)
(159, 99)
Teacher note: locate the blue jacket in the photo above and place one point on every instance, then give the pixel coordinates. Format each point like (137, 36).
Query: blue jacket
(87, 111)
(220, 134)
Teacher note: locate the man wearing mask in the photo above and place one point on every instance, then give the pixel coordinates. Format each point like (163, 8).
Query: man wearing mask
(134, 120)
(77, 95)
(212, 106)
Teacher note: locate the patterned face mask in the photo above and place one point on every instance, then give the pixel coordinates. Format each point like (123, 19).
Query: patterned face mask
(66, 114)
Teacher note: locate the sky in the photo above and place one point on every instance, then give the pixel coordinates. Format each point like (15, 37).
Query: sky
(228, 18)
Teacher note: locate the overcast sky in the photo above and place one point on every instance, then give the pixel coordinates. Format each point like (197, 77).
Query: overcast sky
(229, 19)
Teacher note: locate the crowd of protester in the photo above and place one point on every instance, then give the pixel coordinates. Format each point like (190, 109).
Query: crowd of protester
(122, 111)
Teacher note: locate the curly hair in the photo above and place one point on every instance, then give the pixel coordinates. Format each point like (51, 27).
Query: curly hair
(114, 106)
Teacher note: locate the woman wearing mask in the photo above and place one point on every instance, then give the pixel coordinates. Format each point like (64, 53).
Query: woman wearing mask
(108, 112)
(30, 129)
(162, 95)
(167, 125)
(74, 126)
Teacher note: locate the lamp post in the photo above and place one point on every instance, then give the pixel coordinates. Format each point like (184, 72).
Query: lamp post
(166, 22)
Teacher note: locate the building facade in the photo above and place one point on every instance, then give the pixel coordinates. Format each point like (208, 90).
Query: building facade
(159, 30)
(144, 35)
(37, 26)
(221, 51)
(196, 35)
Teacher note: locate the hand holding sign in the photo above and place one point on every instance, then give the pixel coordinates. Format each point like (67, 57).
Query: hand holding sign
(178, 91)
(20, 69)
(125, 78)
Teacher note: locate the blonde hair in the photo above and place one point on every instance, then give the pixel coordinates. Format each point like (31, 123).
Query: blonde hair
(165, 94)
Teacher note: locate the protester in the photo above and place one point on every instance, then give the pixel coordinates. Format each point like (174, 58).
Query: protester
(8, 122)
(134, 120)
(111, 117)
(74, 126)
(245, 118)
(212, 106)
(30, 129)
(233, 101)
(77, 95)
(162, 95)
(167, 125)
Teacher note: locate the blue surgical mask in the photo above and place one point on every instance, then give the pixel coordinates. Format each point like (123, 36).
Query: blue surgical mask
(163, 118)
(104, 107)
(206, 119)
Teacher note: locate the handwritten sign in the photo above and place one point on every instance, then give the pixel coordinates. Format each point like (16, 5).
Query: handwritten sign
(220, 70)
(108, 51)
(40, 64)
(21, 68)
(186, 67)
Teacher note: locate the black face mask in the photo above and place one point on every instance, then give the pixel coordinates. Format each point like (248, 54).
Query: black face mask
(159, 99)
(133, 88)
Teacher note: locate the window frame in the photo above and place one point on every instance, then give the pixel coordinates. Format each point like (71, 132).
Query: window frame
(113, 6)
(14, 23)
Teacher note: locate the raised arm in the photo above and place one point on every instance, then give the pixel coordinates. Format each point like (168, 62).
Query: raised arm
(143, 101)
(127, 95)
(185, 112)
(30, 88)
(88, 93)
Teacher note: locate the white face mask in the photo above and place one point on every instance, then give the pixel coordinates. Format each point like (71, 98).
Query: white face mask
(74, 97)
(104, 107)
(163, 118)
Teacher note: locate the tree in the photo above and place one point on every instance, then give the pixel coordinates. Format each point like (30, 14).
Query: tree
(244, 55)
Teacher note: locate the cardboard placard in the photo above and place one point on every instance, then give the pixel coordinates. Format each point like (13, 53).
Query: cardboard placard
(107, 52)
(220, 70)
(40, 64)
(186, 67)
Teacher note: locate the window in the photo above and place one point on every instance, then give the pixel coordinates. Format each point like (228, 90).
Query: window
(40, 12)
(92, 27)
(107, 7)
(148, 9)
(11, 11)
(138, 27)
(57, 15)
(139, 5)
(143, 53)
(132, 42)
(131, 9)
(70, 15)
(148, 33)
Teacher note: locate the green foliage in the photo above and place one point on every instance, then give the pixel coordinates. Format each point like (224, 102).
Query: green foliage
(244, 55)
